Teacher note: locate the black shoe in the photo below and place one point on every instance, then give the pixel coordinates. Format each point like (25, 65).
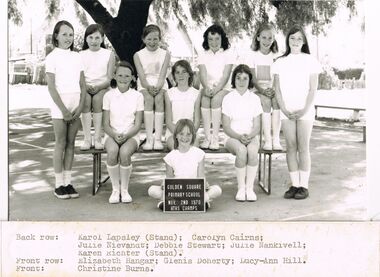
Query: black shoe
(302, 193)
(160, 205)
(61, 193)
(71, 191)
(290, 192)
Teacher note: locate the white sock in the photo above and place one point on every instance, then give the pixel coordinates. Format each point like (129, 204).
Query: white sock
(266, 121)
(304, 178)
(276, 125)
(251, 175)
(295, 178)
(125, 174)
(206, 118)
(86, 125)
(59, 180)
(148, 123)
(240, 176)
(158, 125)
(114, 173)
(67, 177)
(97, 117)
(216, 115)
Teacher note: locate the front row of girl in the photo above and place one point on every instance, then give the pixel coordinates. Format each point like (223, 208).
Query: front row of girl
(295, 82)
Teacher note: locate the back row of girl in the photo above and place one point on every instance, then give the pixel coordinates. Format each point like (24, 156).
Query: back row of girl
(75, 86)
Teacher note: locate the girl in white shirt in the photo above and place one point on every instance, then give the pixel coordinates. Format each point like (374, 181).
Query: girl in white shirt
(66, 85)
(99, 64)
(264, 48)
(152, 65)
(215, 66)
(182, 100)
(296, 80)
(122, 118)
(185, 161)
(241, 122)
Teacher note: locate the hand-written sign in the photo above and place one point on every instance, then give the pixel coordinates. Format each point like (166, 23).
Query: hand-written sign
(184, 195)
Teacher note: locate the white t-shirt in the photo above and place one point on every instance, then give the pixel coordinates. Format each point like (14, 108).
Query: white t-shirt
(123, 108)
(66, 65)
(294, 73)
(262, 64)
(152, 63)
(215, 63)
(241, 109)
(182, 103)
(96, 65)
(185, 165)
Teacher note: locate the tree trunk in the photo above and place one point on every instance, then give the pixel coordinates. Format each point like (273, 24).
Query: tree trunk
(123, 31)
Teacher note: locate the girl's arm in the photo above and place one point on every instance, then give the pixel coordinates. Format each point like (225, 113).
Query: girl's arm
(169, 113)
(50, 77)
(164, 71)
(169, 171)
(313, 85)
(197, 112)
(83, 91)
(260, 90)
(227, 128)
(140, 72)
(201, 169)
(203, 78)
(110, 72)
(223, 81)
(256, 127)
(278, 95)
(136, 126)
(106, 125)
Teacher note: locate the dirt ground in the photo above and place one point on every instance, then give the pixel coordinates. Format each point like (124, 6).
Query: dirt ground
(338, 190)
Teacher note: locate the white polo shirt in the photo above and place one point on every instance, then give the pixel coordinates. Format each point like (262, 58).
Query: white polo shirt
(185, 165)
(123, 108)
(241, 109)
(66, 65)
(294, 73)
(215, 63)
(182, 103)
(96, 65)
(262, 64)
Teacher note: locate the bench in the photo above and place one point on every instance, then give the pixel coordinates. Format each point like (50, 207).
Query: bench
(264, 167)
(343, 108)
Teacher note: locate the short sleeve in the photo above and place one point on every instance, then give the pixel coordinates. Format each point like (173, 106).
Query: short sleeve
(50, 64)
(276, 67)
(169, 158)
(202, 58)
(199, 154)
(106, 101)
(140, 102)
(226, 107)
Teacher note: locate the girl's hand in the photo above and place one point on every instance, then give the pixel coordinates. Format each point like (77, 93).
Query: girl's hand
(269, 92)
(299, 113)
(67, 116)
(151, 90)
(76, 113)
(119, 138)
(208, 92)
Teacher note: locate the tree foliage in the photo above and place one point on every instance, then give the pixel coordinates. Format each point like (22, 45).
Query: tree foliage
(14, 13)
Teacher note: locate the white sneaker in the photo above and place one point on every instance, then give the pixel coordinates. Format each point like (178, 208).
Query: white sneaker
(214, 145)
(125, 197)
(148, 145)
(98, 144)
(240, 195)
(86, 145)
(115, 197)
(277, 145)
(158, 145)
(268, 146)
(214, 191)
(205, 144)
(251, 195)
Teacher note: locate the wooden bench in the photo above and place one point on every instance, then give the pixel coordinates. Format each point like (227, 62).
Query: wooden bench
(343, 108)
(264, 167)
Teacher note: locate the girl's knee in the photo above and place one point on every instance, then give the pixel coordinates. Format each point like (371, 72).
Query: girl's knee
(242, 154)
(266, 104)
(205, 102)
(216, 101)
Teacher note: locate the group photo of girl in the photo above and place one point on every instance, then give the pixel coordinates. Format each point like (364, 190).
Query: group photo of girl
(154, 115)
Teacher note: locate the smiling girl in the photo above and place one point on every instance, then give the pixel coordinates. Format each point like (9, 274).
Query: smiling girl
(296, 80)
(66, 85)
(99, 66)
(122, 118)
(152, 64)
(241, 122)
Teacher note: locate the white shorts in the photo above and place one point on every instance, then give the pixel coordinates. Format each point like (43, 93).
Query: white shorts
(136, 138)
(256, 139)
(70, 100)
(309, 115)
